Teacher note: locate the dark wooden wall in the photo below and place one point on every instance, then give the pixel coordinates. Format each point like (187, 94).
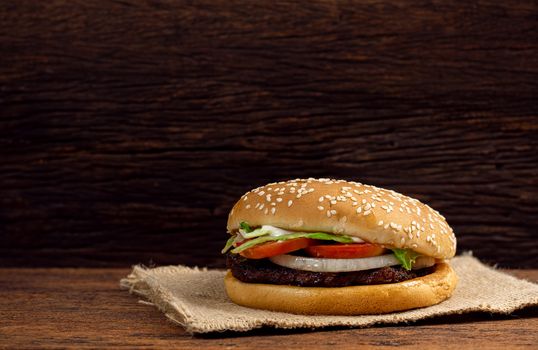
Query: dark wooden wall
(128, 128)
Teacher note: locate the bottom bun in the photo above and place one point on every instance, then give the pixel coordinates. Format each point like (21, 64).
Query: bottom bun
(356, 300)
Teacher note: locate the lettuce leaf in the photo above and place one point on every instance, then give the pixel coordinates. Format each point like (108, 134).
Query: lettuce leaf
(245, 227)
(228, 245)
(254, 233)
(313, 235)
(406, 257)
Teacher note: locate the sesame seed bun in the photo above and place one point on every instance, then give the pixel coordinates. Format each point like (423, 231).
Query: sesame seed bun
(356, 300)
(372, 214)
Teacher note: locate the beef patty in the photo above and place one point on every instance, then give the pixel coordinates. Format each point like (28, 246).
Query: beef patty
(264, 271)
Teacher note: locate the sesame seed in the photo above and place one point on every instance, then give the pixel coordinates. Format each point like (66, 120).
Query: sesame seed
(320, 199)
(333, 212)
(367, 206)
(367, 212)
(359, 209)
(273, 204)
(320, 208)
(333, 201)
(261, 193)
(245, 198)
(290, 202)
(266, 211)
(279, 199)
(273, 210)
(380, 223)
(261, 206)
(247, 206)
(257, 205)
(268, 197)
(328, 213)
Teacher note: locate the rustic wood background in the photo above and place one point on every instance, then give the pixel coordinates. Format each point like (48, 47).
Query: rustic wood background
(128, 128)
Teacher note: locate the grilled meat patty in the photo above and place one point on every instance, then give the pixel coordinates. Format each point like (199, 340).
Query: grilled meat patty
(264, 271)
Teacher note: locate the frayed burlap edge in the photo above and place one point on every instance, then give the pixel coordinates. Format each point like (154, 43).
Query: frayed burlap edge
(184, 309)
(140, 282)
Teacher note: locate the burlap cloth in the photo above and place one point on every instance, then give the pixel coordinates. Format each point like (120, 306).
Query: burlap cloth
(195, 299)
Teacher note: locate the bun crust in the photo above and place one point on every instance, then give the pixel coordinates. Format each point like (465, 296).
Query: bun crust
(370, 213)
(357, 300)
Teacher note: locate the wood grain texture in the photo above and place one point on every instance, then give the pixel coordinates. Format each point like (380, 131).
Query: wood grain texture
(84, 308)
(129, 128)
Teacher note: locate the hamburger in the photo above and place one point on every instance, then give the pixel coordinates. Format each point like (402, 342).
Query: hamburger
(336, 247)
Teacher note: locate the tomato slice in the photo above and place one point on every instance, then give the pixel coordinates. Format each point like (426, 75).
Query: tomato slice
(345, 251)
(269, 249)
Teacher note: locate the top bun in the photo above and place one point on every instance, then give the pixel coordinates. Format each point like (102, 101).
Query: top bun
(370, 213)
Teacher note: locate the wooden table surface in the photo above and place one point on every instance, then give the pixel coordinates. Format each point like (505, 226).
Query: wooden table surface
(85, 308)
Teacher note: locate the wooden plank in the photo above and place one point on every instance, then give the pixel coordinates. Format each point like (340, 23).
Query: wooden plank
(129, 128)
(84, 308)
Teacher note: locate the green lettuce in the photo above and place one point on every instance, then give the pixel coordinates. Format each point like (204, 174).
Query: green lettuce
(266, 238)
(245, 227)
(406, 257)
(255, 233)
(228, 245)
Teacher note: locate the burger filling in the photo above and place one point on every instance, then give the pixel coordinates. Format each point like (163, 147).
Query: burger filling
(264, 271)
(273, 255)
